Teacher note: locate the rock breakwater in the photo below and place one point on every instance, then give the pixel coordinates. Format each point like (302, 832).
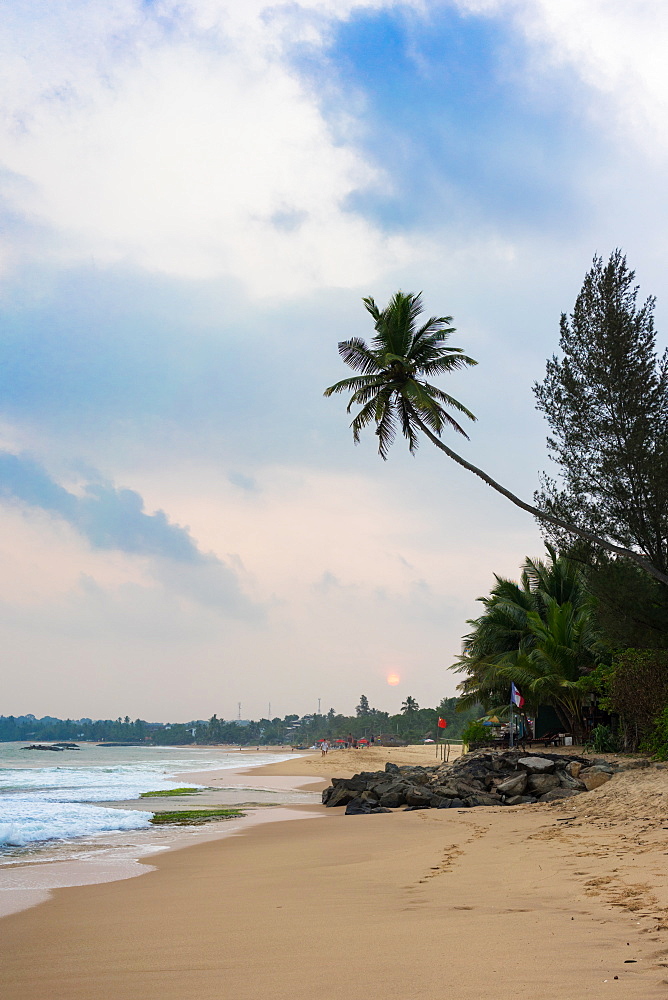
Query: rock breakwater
(482, 778)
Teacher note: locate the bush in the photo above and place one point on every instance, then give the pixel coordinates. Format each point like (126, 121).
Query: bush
(657, 741)
(475, 732)
(602, 740)
(638, 692)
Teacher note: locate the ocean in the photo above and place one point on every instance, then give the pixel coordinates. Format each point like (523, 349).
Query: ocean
(57, 826)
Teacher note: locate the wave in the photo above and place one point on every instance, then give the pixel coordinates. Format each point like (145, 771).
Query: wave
(23, 823)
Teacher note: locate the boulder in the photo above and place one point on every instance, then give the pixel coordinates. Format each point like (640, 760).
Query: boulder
(358, 807)
(536, 765)
(392, 800)
(483, 799)
(558, 793)
(542, 783)
(594, 779)
(355, 784)
(566, 781)
(340, 797)
(574, 768)
(417, 796)
(391, 768)
(519, 800)
(514, 785)
(596, 768)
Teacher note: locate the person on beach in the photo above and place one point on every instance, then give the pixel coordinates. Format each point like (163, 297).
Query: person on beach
(324, 747)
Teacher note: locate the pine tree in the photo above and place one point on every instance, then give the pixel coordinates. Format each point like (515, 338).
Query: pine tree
(606, 402)
(363, 708)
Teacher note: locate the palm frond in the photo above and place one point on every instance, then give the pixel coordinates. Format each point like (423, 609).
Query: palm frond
(356, 353)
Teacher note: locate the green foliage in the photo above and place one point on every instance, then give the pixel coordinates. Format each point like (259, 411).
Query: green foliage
(602, 740)
(631, 607)
(606, 402)
(164, 792)
(475, 732)
(638, 692)
(194, 817)
(656, 741)
(539, 634)
(391, 386)
(363, 708)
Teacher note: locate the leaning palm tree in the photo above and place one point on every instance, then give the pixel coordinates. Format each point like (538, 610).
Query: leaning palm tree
(391, 388)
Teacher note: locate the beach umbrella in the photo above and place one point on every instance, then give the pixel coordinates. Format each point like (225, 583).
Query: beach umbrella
(340, 741)
(362, 741)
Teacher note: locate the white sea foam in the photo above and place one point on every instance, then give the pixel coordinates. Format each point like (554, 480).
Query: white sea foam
(55, 803)
(25, 821)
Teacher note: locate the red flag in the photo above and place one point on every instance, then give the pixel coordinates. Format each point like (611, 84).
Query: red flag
(442, 723)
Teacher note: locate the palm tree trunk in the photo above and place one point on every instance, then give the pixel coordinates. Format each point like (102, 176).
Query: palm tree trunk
(541, 514)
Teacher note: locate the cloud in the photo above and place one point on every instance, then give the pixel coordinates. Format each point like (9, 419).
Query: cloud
(178, 138)
(616, 49)
(115, 519)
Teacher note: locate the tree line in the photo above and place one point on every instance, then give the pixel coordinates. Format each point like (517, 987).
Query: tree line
(411, 724)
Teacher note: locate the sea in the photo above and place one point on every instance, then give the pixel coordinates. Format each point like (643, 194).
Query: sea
(58, 824)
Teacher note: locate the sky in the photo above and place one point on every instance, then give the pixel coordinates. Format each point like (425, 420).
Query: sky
(195, 195)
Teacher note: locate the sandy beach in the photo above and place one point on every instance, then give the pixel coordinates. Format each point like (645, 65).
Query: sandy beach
(553, 902)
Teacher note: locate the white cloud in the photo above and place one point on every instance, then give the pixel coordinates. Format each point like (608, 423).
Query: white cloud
(183, 142)
(616, 48)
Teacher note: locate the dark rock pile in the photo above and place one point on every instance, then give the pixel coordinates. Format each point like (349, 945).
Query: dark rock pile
(483, 778)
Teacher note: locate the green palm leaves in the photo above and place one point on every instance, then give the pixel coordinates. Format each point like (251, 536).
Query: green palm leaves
(391, 388)
(540, 633)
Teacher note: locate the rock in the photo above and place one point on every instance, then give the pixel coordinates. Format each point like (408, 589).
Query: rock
(542, 783)
(457, 803)
(483, 799)
(438, 802)
(416, 796)
(327, 794)
(595, 779)
(566, 781)
(596, 769)
(536, 765)
(514, 785)
(631, 765)
(340, 797)
(519, 800)
(392, 800)
(358, 807)
(558, 793)
(355, 784)
(391, 768)
(574, 768)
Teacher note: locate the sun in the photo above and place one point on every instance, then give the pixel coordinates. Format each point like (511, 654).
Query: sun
(393, 679)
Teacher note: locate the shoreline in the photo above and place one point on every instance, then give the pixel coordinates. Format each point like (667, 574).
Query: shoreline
(564, 900)
(121, 855)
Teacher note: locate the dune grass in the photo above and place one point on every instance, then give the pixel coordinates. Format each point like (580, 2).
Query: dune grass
(169, 791)
(193, 817)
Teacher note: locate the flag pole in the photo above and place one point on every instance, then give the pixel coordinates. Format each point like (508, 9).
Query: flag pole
(510, 735)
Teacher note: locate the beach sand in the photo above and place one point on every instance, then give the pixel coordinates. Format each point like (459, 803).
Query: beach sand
(541, 902)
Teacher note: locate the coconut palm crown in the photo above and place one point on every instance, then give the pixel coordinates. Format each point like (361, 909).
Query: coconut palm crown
(391, 387)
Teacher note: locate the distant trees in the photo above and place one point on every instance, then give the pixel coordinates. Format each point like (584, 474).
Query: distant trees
(363, 708)
(410, 706)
